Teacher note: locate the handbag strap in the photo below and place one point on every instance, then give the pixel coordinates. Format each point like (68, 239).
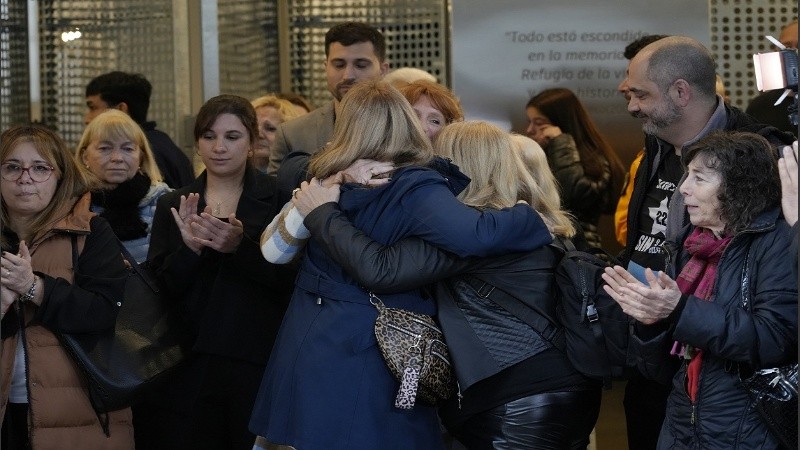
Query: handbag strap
(541, 324)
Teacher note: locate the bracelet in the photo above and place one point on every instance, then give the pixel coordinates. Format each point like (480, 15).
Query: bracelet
(28, 296)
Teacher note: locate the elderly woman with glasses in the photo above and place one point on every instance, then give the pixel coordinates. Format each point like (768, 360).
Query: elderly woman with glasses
(728, 304)
(45, 218)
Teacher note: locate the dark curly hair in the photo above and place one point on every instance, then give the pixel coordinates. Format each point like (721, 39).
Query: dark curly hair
(748, 169)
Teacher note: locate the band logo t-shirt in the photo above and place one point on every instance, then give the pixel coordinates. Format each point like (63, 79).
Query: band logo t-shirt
(653, 216)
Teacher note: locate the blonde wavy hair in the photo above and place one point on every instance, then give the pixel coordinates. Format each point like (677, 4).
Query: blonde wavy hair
(375, 122)
(487, 155)
(284, 107)
(544, 191)
(113, 125)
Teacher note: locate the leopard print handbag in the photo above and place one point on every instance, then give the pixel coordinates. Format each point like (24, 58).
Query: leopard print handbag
(414, 349)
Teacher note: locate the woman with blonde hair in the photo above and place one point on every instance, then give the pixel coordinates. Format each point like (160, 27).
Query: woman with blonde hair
(327, 385)
(516, 388)
(116, 151)
(271, 111)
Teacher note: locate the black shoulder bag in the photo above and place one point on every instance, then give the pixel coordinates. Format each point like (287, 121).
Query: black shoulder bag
(145, 344)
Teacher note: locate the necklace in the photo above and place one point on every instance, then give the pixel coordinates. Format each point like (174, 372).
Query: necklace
(216, 210)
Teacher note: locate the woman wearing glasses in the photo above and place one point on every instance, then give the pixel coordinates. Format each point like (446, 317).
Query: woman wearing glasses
(45, 212)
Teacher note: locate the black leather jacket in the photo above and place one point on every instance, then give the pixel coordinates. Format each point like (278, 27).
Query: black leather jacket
(474, 333)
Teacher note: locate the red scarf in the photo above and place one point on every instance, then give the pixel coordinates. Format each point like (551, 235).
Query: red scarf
(697, 278)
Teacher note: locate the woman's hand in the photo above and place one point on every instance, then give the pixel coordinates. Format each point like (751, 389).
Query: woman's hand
(787, 168)
(313, 194)
(368, 172)
(185, 216)
(646, 303)
(16, 272)
(550, 131)
(7, 298)
(211, 232)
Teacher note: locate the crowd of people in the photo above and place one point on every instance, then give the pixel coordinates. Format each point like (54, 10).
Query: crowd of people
(275, 253)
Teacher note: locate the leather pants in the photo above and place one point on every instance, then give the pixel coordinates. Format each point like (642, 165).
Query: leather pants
(546, 421)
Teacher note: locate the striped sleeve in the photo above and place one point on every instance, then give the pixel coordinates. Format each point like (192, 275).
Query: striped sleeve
(283, 239)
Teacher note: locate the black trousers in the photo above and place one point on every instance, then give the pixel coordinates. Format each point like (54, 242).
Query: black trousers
(207, 406)
(546, 421)
(15, 428)
(645, 405)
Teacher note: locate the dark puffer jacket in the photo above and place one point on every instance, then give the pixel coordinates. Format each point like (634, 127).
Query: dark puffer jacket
(583, 197)
(733, 339)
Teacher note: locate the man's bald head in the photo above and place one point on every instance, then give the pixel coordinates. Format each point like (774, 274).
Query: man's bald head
(680, 57)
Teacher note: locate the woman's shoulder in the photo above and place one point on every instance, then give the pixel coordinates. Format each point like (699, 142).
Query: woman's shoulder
(156, 191)
(260, 184)
(439, 172)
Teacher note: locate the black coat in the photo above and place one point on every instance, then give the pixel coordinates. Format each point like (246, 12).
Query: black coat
(583, 197)
(174, 165)
(733, 339)
(233, 302)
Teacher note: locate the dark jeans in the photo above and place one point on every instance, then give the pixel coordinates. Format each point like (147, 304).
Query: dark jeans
(547, 421)
(645, 405)
(15, 428)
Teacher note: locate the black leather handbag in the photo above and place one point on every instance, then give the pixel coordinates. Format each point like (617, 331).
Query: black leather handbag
(146, 343)
(774, 390)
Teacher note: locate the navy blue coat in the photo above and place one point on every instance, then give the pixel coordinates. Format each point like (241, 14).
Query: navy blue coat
(326, 385)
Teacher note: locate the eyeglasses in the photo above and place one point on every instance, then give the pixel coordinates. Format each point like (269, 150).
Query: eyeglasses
(39, 173)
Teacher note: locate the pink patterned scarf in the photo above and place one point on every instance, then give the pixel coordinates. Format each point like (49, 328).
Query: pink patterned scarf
(697, 278)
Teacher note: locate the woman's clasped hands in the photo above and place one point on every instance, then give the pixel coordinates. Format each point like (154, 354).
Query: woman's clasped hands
(205, 230)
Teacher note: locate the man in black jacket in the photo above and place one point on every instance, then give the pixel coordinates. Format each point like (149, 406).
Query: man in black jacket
(130, 93)
(671, 83)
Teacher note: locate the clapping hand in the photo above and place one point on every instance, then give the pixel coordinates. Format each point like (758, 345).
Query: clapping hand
(212, 232)
(7, 298)
(647, 303)
(184, 216)
(787, 168)
(16, 272)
